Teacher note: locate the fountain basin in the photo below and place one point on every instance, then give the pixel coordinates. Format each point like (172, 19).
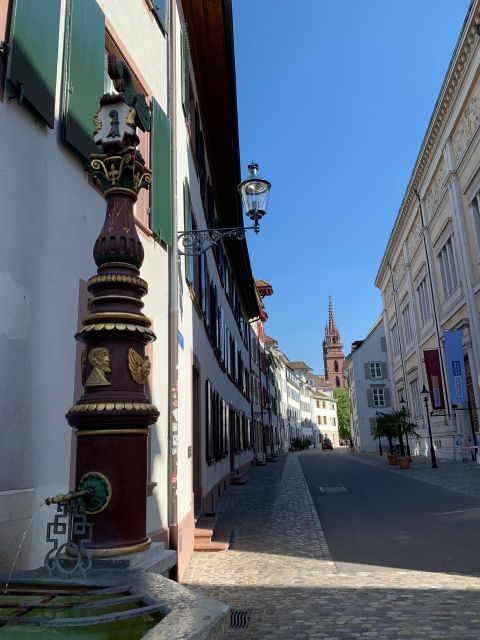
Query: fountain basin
(109, 604)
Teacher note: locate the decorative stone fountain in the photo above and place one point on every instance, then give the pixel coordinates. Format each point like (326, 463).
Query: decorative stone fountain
(104, 515)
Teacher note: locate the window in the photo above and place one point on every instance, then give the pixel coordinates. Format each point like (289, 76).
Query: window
(185, 65)
(475, 207)
(416, 408)
(448, 270)
(424, 301)
(375, 370)
(189, 226)
(159, 8)
(407, 323)
(318, 404)
(319, 421)
(337, 381)
(395, 340)
(335, 366)
(378, 398)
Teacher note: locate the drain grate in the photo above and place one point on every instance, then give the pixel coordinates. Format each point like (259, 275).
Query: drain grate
(239, 618)
(333, 490)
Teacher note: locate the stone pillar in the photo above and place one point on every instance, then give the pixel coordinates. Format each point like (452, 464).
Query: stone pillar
(113, 416)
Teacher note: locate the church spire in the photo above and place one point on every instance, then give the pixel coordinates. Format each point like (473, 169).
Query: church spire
(331, 329)
(333, 357)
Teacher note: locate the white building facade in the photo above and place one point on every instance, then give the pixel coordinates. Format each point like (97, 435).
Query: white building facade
(367, 378)
(200, 308)
(429, 276)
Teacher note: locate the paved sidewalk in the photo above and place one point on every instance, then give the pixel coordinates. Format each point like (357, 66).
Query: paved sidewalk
(280, 571)
(458, 476)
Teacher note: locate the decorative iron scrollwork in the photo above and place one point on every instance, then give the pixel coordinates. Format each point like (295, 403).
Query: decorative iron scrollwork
(69, 557)
(198, 241)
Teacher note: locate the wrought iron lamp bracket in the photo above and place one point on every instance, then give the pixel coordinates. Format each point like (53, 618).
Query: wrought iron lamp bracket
(198, 241)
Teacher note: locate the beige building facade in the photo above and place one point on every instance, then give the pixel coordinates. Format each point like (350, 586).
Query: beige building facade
(429, 276)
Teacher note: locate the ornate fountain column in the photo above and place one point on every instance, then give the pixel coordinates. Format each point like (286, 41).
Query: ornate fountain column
(113, 416)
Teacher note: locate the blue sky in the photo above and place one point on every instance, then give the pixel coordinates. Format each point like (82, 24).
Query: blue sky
(334, 99)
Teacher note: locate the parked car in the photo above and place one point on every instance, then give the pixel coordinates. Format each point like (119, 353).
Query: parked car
(327, 444)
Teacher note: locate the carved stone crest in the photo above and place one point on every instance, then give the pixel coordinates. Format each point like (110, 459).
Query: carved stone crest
(114, 123)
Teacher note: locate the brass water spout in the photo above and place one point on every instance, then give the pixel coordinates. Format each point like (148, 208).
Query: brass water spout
(68, 497)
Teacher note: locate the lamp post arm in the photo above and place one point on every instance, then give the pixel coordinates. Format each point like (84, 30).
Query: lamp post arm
(198, 241)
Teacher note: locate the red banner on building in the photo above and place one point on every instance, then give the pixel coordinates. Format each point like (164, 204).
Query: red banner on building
(434, 377)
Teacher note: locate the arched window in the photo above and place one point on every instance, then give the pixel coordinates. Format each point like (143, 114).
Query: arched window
(335, 366)
(337, 381)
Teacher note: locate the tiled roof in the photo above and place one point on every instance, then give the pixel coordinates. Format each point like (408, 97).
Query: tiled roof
(298, 364)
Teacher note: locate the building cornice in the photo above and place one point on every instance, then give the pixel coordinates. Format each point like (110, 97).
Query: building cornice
(462, 56)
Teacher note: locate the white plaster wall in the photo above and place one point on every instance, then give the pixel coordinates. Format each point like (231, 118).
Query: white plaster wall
(139, 30)
(51, 219)
(369, 351)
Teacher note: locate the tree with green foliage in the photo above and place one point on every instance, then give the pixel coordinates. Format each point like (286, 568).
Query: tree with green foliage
(343, 413)
(394, 425)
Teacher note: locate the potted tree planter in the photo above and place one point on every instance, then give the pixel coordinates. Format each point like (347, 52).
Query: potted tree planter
(392, 458)
(395, 425)
(403, 462)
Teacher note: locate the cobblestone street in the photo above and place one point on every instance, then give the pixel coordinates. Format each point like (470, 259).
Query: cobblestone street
(279, 568)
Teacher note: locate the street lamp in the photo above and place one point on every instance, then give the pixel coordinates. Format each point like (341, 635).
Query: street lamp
(403, 404)
(425, 395)
(254, 192)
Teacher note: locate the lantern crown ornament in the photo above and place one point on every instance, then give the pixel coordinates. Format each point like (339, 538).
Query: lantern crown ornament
(115, 132)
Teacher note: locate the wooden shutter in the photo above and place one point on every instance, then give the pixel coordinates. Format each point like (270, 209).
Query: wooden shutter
(160, 10)
(386, 397)
(208, 421)
(185, 55)
(384, 370)
(370, 398)
(160, 190)
(188, 226)
(84, 74)
(366, 367)
(33, 54)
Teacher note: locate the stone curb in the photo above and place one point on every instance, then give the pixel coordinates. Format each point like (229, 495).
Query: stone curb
(315, 519)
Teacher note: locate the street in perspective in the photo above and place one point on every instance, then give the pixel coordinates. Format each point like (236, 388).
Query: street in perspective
(239, 319)
(325, 548)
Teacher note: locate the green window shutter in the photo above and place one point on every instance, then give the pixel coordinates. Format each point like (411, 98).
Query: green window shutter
(185, 53)
(188, 226)
(160, 10)
(84, 74)
(33, 53)
(160, 190)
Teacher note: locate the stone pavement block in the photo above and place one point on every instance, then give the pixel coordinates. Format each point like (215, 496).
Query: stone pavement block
(279, 567)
